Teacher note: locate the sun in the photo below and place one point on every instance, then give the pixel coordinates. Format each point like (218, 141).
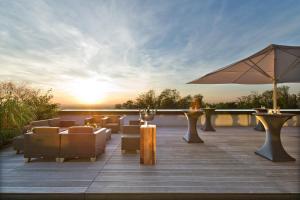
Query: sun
(90, 95)
(89, 91)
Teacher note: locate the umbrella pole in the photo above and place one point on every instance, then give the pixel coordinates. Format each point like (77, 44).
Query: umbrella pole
(274, 95)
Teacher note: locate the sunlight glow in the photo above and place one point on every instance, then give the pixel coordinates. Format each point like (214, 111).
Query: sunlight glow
(90, 91)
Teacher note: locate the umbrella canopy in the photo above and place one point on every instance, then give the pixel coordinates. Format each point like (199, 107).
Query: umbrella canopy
(274, 64)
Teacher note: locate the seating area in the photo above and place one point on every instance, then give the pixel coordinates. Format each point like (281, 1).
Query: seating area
(18, 142)
(224, 167)
(62, 139)
(75, 142)
(113, 122)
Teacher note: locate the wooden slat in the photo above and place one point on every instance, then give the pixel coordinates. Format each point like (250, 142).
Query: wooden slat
(224, 164)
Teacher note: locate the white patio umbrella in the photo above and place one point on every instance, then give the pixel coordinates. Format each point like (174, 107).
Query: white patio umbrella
(272, 65)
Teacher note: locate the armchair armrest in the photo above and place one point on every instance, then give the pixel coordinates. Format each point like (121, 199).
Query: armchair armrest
(26, 128)
(29, 133)
(104, 121)
(100, 140)
(100, 131)
(130, 129)
(122, 118)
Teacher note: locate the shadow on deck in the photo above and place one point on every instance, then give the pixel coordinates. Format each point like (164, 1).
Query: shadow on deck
(223, 167)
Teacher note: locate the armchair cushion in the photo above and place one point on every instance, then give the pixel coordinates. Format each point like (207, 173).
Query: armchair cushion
(39, 123)
(54, 122)
(42, 142)
(45, 130)
(97, 119)
(114, 119)
(81, 129)
(130, 129)
(67, 123)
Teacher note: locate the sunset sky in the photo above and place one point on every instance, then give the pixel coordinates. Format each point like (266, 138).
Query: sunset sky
(107, 51)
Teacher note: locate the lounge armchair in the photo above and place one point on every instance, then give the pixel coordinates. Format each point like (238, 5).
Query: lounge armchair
(18, 142)
(95, 119)
(114, 122)
(98, 120)
(42, 142)
(130, 138)
(54, 122)
(82, 142)
(136, 122)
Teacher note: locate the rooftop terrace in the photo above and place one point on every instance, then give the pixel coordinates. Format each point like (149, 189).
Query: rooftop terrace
(224, 167)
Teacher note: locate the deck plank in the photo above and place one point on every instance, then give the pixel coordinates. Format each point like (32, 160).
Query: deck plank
(224, 164)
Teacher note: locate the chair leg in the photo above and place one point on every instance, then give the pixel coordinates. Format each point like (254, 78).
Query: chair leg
(93, 159)
(27, 160)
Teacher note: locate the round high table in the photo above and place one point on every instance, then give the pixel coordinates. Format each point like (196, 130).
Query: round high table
(272, 148)
(192, 135)
(259, 126)
(207, 125)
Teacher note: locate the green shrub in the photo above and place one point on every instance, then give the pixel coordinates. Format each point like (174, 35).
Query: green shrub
(20, 104)
(7, 135)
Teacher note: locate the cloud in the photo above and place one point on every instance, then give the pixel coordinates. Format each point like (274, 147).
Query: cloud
(135, 45)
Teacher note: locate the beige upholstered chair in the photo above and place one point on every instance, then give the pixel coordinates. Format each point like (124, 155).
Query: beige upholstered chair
(82, 142)
(42, 142)
(95, 119)
(54, 122)
(114, 122)
(130, 138)
(136, 122)
(18, 142)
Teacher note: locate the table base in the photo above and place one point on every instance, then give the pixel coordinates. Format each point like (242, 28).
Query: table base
(208, 128)
(189, 138)
(259, 127)
(274, 154)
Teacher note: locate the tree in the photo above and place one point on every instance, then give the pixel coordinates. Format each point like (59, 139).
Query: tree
(168, 99)
(185, 102)
(41, 104)
(171, 99)
(147, 99)
(129, 104)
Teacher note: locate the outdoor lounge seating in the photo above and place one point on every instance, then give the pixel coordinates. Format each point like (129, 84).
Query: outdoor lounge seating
(95, 119)
(130, 138)
(42, 142)
(82, 142)
(98, 120)
(136, 122)
(18, 142)
(114, 122)
(54, 122)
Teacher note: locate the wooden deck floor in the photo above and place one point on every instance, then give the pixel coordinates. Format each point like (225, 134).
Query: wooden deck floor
(225, 166)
